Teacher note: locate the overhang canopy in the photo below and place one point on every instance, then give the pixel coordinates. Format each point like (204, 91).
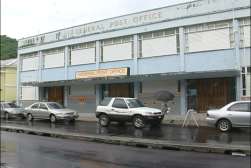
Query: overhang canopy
(143, 77)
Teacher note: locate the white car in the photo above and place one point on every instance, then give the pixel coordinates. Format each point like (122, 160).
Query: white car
(235, 114)
(123, 109)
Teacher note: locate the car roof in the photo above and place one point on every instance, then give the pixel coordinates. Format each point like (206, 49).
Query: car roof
(45, 102)
(242, 101)
(124, 97)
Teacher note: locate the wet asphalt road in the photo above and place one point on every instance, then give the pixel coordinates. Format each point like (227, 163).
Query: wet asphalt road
(164, 132)
(30, 151)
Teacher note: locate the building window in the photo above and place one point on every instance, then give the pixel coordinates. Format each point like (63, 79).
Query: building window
(82, 53)
(209, 36)
(245, 27)
(29, 93)
(29, 62)
(53, 58)
(120, 48)
(159, 43)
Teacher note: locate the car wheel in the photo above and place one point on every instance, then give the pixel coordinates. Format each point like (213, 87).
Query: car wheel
(224, 125)
(138, 121)
(53, 118)
(29, 117)
(104, 120)
(6, 115)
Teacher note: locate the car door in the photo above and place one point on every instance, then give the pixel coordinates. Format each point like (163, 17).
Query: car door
(43, 111)
(120, 110)
(34, 110)
(239, 114)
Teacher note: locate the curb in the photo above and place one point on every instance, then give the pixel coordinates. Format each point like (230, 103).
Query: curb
(164, 122)
(142, 143)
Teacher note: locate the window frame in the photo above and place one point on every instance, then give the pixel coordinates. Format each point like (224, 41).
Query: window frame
(43, 104)
(125, 107)
(38, 104)
(230, 108)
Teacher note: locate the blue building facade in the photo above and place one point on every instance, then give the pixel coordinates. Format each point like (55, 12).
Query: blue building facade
(200, 51)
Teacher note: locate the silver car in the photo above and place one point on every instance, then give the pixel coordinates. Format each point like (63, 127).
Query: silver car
(235, 114)
(49, 110)
(9, 110)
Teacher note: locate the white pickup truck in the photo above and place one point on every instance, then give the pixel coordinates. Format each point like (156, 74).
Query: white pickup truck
(123, 109)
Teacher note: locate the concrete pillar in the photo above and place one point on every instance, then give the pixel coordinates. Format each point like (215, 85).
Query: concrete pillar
(98, 93)
(39, 74)
(66, 61)
(40, 93)
(98, 54)
(40, 65)
(98, 60)
(66, 93)
(135, 53)
(238, 87)
(136, 88)
(183, 96)
(236, 31)
(18, 94)
(182, 49)
(66, 65)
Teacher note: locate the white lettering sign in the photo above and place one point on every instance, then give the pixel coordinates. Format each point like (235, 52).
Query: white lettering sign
(137, 19)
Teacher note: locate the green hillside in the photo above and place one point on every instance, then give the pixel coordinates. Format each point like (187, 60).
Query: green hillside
(8, 47)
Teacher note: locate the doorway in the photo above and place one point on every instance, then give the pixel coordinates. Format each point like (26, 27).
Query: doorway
(118, 90)
(56, 94)
(204, 94)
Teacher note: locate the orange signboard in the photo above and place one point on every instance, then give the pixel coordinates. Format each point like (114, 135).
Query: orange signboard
(102, 73)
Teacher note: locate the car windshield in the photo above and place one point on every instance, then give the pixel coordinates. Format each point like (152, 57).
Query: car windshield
(55, 106)
(10, 105)
(134, 103)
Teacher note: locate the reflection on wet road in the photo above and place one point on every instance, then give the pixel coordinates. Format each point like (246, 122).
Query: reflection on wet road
(164, 132)
(29, 151)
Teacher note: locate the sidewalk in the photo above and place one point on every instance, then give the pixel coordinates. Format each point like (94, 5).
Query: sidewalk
(169, 119)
